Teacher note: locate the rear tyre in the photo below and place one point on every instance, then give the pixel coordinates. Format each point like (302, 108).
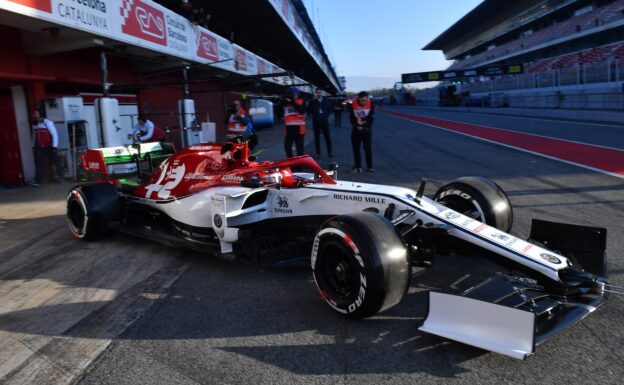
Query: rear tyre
(479, 198)
(360, 264)
(91, 208)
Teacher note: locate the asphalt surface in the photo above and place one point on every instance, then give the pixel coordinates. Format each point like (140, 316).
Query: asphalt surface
(229, 323)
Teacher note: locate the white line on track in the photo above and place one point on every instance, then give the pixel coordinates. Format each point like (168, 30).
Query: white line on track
(614, 124)
(519, 148)
(522, 133)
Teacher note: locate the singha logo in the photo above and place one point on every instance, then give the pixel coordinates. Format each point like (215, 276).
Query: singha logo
(282, 202)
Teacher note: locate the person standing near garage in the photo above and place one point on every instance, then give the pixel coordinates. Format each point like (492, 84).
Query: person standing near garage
(45, 146)
(143, 130)
(238, 120)
(320, 108)
(294, 122)
(362, 114)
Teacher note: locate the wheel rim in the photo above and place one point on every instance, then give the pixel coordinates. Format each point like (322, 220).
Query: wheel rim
(465, 207)
(338, 272)
(76, 216)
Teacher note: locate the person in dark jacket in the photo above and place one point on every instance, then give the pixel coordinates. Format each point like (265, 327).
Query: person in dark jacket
(320, 109)
(362, 115)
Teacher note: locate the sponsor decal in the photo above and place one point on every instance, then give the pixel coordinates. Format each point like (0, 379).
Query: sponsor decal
(198, 176)
(85, 13)
(455, 192)
(241, 60)
(282, 203)
(261, 66)
(342, 197)
(42, 5)
(94, 165)
(467, 222)
(479, 228)
(507, 239)
(143, 21)
(225, 52)
(207, 46)
(550, 258)
(501, 236)
(234, 178)
(176, 33)
(450, 215)
(358, 198)
(216, 165)
(527, 247)
(203, 148)
(275, 70)
(526, 282)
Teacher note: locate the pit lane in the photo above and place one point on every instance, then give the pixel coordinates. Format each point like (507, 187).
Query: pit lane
(124, 310)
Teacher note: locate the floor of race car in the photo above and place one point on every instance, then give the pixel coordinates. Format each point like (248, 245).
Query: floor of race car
(129, 311)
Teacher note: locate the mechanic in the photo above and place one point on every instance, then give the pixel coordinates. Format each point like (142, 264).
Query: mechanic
(238, 120)
(362, 114)
(294, 121)
(320, 109)
(146, 131)
(45, 145)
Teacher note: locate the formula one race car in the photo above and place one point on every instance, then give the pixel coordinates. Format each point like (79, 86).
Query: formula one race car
(362, 240)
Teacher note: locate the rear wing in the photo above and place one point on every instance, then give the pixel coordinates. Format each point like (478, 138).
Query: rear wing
(124, 160)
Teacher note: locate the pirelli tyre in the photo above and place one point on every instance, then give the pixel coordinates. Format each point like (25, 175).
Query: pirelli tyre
(479, 198)
(360, 264)
(91, 208)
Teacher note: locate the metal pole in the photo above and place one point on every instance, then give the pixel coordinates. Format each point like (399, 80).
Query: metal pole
(104, 68)
(185, 76)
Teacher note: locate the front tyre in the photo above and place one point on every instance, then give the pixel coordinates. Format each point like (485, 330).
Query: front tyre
(479, 198)
(360, 264)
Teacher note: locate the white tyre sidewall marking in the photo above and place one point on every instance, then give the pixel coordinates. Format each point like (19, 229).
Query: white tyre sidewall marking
(356, 253)
(79, 233)
(466, 196)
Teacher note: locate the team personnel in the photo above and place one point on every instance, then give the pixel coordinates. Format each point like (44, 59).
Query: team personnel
(362, 114)
(238, 120)
(320, 108)
(45, 145)
(143, 130)
(294, 122)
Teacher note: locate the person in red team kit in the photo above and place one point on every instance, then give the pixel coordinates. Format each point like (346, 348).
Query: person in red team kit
(238, 120)
(362, 114)
(45, 146)
(294, 122)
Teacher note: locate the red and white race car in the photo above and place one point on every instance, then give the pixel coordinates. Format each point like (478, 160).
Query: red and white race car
(362, 240)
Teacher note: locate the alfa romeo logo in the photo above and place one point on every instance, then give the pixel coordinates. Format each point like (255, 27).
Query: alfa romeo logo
(550, 258)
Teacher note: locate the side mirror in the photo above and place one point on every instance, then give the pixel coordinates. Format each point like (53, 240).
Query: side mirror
(332, 170)
(333, 166)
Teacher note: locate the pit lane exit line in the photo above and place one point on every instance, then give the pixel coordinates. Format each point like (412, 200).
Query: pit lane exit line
(596, 158)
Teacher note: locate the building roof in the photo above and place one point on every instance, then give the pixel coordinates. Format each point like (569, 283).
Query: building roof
(484, 16)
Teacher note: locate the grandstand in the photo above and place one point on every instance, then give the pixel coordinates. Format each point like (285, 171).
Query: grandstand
(566, 46)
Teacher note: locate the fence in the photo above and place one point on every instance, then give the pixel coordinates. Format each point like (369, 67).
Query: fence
(555, 100)
(599, 72)
(560, 88)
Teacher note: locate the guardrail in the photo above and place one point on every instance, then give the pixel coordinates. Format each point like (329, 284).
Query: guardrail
(599, 72)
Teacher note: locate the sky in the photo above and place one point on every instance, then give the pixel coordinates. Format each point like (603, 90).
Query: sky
(381, 39)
